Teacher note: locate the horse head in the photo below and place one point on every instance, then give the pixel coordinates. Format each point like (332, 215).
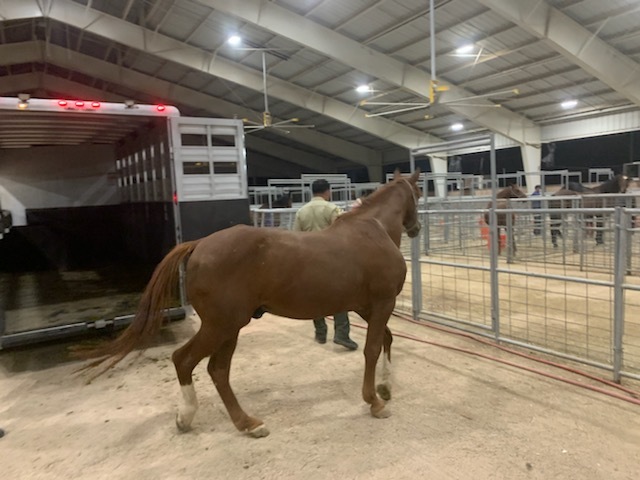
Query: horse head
(623, 183)
(618, 184)
(410, 220)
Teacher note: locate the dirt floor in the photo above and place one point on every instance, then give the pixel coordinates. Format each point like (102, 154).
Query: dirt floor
(455, 416)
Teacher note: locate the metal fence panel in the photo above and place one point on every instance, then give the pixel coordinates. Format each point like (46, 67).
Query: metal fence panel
(579, 299)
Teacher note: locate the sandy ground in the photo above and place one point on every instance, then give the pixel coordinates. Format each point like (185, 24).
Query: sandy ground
(455, 416)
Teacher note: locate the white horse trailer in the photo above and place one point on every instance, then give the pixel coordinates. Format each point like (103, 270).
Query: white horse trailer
(98, 194)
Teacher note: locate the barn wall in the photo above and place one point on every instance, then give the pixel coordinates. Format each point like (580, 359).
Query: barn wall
(56, 177)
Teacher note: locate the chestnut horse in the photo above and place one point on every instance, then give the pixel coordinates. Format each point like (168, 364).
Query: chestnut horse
(502, 203)
(242, 272)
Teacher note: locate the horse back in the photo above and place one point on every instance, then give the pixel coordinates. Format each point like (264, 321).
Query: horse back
(288, 272)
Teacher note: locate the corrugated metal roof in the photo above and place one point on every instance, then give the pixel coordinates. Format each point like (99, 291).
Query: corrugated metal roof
(510, 57)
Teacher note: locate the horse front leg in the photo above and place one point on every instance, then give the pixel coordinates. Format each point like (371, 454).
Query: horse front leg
(384, 387)
(375, 337)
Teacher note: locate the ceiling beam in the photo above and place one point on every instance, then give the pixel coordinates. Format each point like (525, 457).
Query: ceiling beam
(304, 31)
(137, 37)
(281, 156)
(176, 94)
(574, 42)
(289, 154)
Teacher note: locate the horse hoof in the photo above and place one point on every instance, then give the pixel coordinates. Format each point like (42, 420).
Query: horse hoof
(384, 391)
(380, 412)
(258, 432)
(181, 426)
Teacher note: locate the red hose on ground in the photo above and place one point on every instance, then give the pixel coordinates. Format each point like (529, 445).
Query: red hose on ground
(633, 398)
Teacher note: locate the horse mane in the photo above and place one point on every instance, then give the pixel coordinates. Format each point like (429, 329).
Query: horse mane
(578, 187)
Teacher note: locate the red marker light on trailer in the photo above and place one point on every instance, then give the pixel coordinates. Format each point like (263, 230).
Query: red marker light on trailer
(95, 104)
(175, 198)
(79, 104)
(161, 108)
(62, 103)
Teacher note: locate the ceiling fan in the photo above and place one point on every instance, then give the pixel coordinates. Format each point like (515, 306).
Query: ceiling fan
(390, 108)
(267, 120)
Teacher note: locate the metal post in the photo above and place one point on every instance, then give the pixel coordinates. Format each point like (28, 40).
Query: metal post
(416, 271)
(620, 240)
(510, 234)
(264, 81)
(416, 278)
(494, 238)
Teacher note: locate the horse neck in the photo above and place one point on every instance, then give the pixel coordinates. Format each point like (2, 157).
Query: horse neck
(388, 208)
(610, 186)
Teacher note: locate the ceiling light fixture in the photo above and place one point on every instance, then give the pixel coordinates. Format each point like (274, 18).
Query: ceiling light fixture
(567, 104)
(456, 127)
(468, 48)
(234, 40)
(363, 89)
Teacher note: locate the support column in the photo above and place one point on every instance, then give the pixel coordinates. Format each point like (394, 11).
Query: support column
(439, 167)
(374, 168)
(531, 162)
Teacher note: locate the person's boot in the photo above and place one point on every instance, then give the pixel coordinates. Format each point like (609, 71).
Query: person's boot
(342, 329)
(321, 330)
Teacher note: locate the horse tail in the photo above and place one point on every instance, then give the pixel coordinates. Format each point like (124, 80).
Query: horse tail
(149, 316)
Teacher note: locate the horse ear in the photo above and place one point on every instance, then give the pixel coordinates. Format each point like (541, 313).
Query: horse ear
(416, 174)
(397, 174)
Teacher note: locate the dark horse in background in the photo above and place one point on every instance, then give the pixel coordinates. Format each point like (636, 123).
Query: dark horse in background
(242, 272)
(591, 198)
(502, 203)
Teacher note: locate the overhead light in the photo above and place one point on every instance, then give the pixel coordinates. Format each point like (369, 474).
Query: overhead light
(234, 40)
(567, 104)
(363, 88)
(468, 48)
(456, 127)
(129, 103)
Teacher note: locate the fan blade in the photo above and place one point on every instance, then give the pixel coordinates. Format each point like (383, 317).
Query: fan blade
(398, 110)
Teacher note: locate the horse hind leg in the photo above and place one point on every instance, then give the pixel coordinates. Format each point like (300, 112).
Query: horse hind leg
(384, 387)
(219, 367)
(185, 360)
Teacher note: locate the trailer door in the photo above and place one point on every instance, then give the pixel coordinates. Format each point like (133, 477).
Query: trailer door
(211, 191)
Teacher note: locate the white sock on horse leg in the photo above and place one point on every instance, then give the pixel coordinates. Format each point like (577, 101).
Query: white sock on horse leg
(189, 406)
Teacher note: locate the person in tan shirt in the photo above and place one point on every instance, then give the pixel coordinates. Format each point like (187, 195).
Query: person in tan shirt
(316, 215)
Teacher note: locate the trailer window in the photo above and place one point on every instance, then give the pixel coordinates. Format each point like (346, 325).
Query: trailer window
(225, 167)
(196, 168)
(223, 140)
(193, 140)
